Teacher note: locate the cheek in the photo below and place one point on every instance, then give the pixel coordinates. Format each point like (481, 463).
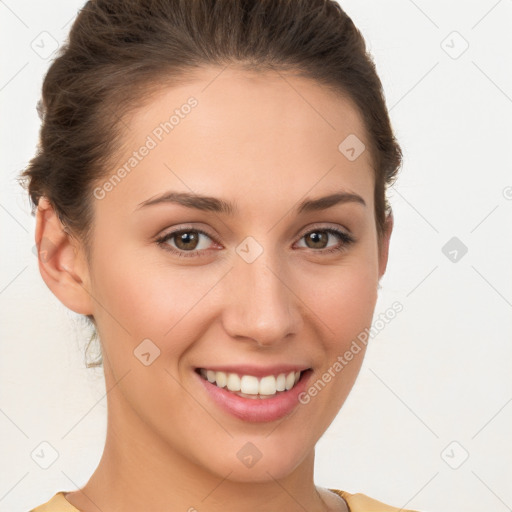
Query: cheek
(142, 298)
(343, 297)
(343, 300)
(348, 301)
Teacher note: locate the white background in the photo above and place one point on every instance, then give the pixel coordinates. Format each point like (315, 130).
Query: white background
(438, 373)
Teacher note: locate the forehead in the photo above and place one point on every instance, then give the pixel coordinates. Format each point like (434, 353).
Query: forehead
(233, 97)
(239, 132)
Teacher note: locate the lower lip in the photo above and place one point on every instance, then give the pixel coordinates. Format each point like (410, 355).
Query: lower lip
(256, 409)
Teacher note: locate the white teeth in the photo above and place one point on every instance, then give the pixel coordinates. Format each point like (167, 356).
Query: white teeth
(290, 381)
(281, 382)
(250, 385)
(233, 382)
(267, 385)
(221, 379)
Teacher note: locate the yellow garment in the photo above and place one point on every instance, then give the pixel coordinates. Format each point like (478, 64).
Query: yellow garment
(356, 503)
(362, 503)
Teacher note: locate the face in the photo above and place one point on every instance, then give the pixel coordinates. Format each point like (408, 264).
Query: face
(266, 286)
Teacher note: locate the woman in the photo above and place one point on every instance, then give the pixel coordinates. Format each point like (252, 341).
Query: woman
(255, 133)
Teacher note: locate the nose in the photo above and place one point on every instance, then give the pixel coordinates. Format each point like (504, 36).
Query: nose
(261, 303)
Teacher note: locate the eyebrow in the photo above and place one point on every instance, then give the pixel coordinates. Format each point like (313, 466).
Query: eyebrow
(213, 204)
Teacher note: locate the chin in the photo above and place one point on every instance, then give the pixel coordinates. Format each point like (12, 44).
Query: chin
(262, 460)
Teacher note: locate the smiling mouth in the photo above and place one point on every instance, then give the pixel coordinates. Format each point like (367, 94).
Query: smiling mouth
(249, 386)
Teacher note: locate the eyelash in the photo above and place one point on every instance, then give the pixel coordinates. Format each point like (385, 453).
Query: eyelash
(346, 240)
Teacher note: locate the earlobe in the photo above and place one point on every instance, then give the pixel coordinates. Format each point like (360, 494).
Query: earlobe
(61, 263)
(384, 249)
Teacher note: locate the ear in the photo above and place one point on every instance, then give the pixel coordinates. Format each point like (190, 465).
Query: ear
(384, 248)
(62, 263)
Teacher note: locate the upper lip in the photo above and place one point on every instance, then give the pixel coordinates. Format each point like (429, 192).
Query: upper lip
(257, 371)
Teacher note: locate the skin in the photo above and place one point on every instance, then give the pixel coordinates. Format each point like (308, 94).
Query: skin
(257, 141)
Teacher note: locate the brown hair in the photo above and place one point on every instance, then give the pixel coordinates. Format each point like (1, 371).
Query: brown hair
(121, 51)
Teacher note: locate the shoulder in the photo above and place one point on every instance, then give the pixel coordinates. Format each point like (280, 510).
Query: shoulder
(58, 503)
(361, 503)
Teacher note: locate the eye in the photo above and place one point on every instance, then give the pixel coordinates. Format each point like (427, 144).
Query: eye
(187, 241)
(320, 236)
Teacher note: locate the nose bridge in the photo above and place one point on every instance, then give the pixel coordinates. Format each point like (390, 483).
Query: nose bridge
(261, 306)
